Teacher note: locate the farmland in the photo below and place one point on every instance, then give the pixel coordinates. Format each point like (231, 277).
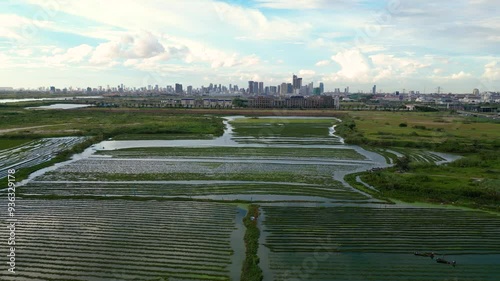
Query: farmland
(94, 240)
(374, 243)
(267, 198)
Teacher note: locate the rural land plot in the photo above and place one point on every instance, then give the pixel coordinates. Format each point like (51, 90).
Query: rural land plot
(34, 153)
(193, 177)
(123, 240)
(279, 131)
(339, 243)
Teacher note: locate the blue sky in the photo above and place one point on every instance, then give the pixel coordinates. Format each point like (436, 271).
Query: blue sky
(396, 44)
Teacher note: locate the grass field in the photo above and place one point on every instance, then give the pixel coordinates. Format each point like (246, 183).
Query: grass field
(21, 123)
(429, 129)
(472, 181)
(8, 143)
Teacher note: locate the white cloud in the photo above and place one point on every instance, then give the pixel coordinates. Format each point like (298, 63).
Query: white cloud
(72, 55)
(286, 4)
(323, 63)
(259, 27)
(354, 64)
(460, 75)
(492, 71)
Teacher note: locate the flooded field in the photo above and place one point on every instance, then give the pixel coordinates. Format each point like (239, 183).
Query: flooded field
(34, 153)
(173, 210)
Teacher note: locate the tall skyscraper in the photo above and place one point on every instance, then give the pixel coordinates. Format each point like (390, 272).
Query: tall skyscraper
(283, 89)
(255, 87)
(297, 82)
(321, 88)
(178, 88)
(374, 90)
(189, 90)
(261, 88)
(250, 87)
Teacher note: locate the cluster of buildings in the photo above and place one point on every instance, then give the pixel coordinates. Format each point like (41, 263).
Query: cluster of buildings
(293, 102)
(283, 89)
(197, 103)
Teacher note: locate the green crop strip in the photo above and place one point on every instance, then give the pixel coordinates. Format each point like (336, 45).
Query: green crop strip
(251, 270)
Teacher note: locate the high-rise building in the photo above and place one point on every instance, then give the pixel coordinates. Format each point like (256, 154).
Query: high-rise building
(283, 89)
(261, 88)
(255, 87)
(321, 88)
(374, 89)
(475, 92)
(250, 87)
(289, 88)
(189, 90)
(178, 88)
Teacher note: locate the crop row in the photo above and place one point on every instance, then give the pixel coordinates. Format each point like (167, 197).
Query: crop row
(380, 266)
(381, 230)
(89, 240)
(151, 166)
(161, 190)
(34, 153)
(238, 152)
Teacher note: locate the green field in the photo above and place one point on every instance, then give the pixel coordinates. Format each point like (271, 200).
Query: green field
(445, 131)
(236, 152)
(282, 127)
(472, 181)
(22, 123)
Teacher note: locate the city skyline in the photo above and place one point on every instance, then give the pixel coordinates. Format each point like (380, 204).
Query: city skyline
(393, 44)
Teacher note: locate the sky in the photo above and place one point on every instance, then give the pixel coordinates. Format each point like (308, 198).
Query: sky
(395, 44)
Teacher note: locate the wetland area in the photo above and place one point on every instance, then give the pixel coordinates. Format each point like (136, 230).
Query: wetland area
(271, 198)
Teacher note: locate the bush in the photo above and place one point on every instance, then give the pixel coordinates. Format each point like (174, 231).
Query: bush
(403, 125)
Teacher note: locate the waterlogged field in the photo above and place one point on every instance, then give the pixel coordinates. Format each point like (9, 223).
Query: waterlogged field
(34, 153)
(346, 243)
(187, 177)
(166, 210)
(285, 130)
(122, 240)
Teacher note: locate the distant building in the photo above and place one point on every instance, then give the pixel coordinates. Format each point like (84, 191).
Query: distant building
(283, 89)
(250, 87)
(189, 90)
(261, 88)
(178, 88)
(321, 88)
(475, 92)
(374, 89)
(292, 102)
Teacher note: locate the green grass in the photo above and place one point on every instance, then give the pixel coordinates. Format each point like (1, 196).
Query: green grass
(105, 122)
(251, 270)
(473, 181)
(435, 130)
(10, 143)
(261, 152)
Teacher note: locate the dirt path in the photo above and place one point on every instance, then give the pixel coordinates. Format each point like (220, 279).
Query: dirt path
(24, 128)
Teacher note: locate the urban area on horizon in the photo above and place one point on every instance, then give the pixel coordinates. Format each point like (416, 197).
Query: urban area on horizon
(258, 94)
